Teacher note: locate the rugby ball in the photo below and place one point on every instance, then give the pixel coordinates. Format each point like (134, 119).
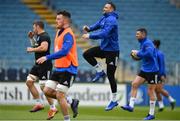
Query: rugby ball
(135, 57)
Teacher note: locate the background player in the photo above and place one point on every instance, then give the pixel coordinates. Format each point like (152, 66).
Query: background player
(162, 79)
(41, 47)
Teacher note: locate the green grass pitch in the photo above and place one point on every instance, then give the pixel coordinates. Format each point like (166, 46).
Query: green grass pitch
(20, 113)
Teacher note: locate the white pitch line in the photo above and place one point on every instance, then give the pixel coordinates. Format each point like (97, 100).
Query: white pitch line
(85, 120)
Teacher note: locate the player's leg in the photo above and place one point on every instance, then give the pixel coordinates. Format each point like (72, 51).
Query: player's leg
(50, 100)
(44, 75)
(50, 90)
(32, 88)
(90, 55)
(63, 104)
(167, 95)
(74, 105)
(53, 110)
(152, 79)
(134, 88)
(152, 102)
(65, 81)
(170, 98)
(111, 61)
(31, 78)
(159, 97)
(30, 84)
(52, 93)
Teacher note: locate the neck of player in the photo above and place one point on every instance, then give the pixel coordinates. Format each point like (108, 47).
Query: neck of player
(41, 31)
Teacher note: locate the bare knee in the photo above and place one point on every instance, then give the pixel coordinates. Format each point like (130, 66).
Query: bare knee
(47, 91)
(30, 80)
(151, 91)
(60, 95)
(135, 85)
(29, 83)
(138, 81)
(158, 90)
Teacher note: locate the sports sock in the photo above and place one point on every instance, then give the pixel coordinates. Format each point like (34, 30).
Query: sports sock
(38, 101)
(161, 104)
(170, 99)
(52, 106)
(132, 101)
(69, 99)
(152, 107)
(98, 67)
(67, 118)
(114, 97)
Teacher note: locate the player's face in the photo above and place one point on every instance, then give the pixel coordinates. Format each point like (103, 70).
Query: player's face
(59, 21)
(140, 35)
(107, 8)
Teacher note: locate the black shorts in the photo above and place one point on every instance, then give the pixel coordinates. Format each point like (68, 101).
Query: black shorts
(43, 71)
(150, 77)
(159, 81)
(63, 78)
(110, 56)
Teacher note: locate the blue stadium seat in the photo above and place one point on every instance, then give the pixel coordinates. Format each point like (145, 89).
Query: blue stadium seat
(158, 16)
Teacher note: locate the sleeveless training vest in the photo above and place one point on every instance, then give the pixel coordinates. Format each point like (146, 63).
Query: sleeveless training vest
(71, 57)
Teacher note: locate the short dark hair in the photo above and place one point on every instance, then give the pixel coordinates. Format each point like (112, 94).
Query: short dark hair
(39, 23)
(64, 13)
(112, 5)
(143, 30)
(157, 43)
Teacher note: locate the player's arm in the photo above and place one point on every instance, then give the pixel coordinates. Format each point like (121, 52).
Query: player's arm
(95, 26)
(42, 48)
(32, 41)
(67, 45)
(92, 27)
(32, 38)
(162, 70)
(147, 53)
(103, 33)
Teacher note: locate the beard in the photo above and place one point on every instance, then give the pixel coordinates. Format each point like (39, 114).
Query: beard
(59, 26)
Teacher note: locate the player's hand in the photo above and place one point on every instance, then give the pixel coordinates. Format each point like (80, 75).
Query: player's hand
(29, 49)
(134, 52)
(85, 36)
(163, 78)
(41, 60)
(85, 29)
(31, 34)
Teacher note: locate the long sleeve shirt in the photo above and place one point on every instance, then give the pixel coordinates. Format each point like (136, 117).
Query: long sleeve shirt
(108, 32)
(148, 55)
(161, 63)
